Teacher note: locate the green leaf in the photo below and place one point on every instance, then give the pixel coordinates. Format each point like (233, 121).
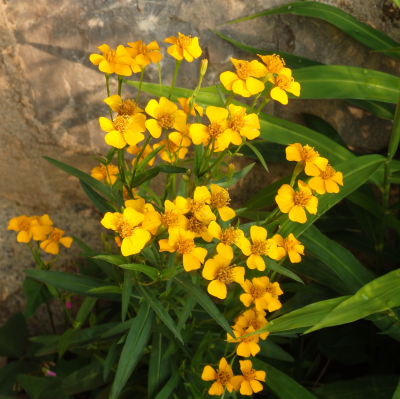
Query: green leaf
(156, 305)
(113, 259)
(259, 156)
(397, 392)
(380, 294)
(153, 172)
(204, 300)
(370, 387)
(190, 303)
(142, 164)
(169, 387)
(204, 345)
(274, 351)
(85, 310)
(225, 183)
(98, 201)
(198, 159)
(89, 180)
(13, 336)
(221, 96)
(363, 33)
(120, 328)
(136, 341)
(158, 369)
(272, 152)
(74, 283)
(305, 317)
(149, 271)
(42, 387)
(36, 293)
(65, 340)
(378, 108)
(111, 359)
(107, 289)
(281, 384)
(85, 379)
(355, 173)
(126, 294)
(270, 264)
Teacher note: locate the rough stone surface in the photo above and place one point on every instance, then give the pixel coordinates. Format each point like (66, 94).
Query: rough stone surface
(52, 96)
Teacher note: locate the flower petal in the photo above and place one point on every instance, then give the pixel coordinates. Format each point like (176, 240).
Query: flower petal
(209, 374)
(279, 95)
(298, 214)
(228, 78)
(115, 139)
(217, 289)
(154, 128)
(293, 152)
(254, 86)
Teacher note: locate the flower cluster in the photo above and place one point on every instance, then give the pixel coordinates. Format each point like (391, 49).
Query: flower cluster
(40, 229)
(324, 179)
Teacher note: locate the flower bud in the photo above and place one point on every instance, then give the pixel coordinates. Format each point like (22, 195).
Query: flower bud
(203, 67)
(186, 178)
(231, 170)
(188, 173)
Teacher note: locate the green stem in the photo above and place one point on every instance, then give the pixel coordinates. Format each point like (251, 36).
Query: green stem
(140, 83)
(120, 80)
(264, 101)
(51, 318)
(159, 76)
(108, 92)
(395, 137)
(177, 64)
(229, 100)
(208, 158)
(138, 157)
(254, 102)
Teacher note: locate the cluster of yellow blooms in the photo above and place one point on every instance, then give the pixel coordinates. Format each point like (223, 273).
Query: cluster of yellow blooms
(40, 229)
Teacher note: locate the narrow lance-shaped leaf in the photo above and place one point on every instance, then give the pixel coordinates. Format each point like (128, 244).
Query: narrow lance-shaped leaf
(111, 359)
(126, 293)
(98, 201)
(169, 387)
(380, 294)
(136, 341)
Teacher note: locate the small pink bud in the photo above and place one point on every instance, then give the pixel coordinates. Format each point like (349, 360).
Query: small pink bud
(51, 373)
(68, 304)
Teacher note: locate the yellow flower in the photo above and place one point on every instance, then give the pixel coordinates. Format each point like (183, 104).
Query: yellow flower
(139, 204)
(142, 54)
(127, 225)
(263, 293)
(174, 155)
(261, 247)
(51, 245)
(222, 273)
(118, 61)
(242, 125)
(313, 162)
(183, 242)
(100, 173)
(123, 108)
(31, 227)
(216, 130)
(172, 218)
(220, 200)
(223, 378)
(284, 83)
(198, 205)
(135, 150)
(326, 181)
(200, 226)
(181, 138)
(124, 130)
(166, 116)
(247, 346)
(294, 203)
(252, 318)
(125, 194)
(183, 47)
(249, 382)
(227, 238)
(243, 82)
(274, 63)
(184, 103)
(290, 246)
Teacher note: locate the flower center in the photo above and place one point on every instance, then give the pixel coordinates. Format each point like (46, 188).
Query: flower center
(225, 275)
(215, 130)
(274, 63)
(249, 375)
(230, 236)
(329, 172)
(237, 121)
(166, 120)
(121, 124)
(127, 108)
(110, 56)
(24, 225)
(288, 244)
(255, 324)
(220, 199)
(170, 219)
(248, 339)
(125, 227)
(260, 248)
(258, 291)
(196, 206)
(308, 154)
(184, 41)
(283, 82)
(143, 49)
(223, 377)
(185, 245)
(271, 289)
(244, 70)
(55, 236)
(302, 198)
(196, 226)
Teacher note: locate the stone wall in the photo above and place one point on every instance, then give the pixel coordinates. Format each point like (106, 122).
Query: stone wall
(52, 96)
